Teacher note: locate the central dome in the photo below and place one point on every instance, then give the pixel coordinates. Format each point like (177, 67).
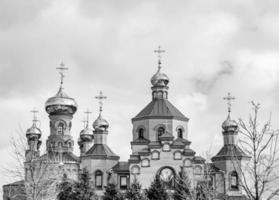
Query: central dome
(100, 123)
(61, 103)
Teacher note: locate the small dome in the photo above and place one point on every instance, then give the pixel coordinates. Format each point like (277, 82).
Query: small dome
(229, 124)
(86, 134)
(33, 131)
(100, 123)
(61, 103)
(159, 79)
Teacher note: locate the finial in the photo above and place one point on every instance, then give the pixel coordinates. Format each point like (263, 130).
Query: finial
(159, 51)
(87, 113)
(62, 68)
(35, 120)
(229, 99)
(100, 97)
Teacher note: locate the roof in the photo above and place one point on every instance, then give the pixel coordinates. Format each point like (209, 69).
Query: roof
(17, 183)
(230, 151)
(121, 167)
(101, 151)
(180, 142)
(160, 108)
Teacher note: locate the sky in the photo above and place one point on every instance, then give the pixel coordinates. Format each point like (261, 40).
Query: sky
(212, 47)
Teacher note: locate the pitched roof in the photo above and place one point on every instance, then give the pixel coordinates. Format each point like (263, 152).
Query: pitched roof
(101, 151)
(121, 167)
(160, 108)
(17, 183)
(230, 151)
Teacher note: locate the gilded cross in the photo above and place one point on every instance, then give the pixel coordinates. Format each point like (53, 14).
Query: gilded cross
(159, 51)
(62, 68)
(101, 97)
(229, 99)
(35, 120)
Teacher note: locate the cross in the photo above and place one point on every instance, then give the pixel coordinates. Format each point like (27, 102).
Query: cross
(229, 98)
(101, 97)
(159, 51)
(85, 123)
(62, 68)
(34, 111)
(87, 113)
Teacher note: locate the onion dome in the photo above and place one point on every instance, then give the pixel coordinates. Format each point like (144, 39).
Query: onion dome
(61, 103)
(100, 123)
(159, 79)
(230, 124)
(33, 131)
(86, 133)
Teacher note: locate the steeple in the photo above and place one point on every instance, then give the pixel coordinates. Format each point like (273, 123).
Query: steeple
(85, 140)
(159, 80)
(61, 109)
(33, 135)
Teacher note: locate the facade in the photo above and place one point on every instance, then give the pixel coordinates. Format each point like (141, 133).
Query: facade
(160, 146)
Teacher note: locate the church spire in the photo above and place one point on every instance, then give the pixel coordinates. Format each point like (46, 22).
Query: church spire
(62, 69)
(229, 100)
(159, 80)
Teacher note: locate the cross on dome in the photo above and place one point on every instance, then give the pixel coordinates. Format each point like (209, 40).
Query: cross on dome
(229, 100)
(100, 97)
(35, 112)
(87, 113)
(159, 51)
(62, 68)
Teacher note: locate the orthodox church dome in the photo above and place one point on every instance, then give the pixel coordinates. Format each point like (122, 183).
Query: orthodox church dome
(100, 123)
(33, 131)
(86, 133)
(159, 79)
(61, 103)
(230, 124)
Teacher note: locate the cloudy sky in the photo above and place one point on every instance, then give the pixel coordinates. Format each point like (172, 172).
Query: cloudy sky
(212, 47)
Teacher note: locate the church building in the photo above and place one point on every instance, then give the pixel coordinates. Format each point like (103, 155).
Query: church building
(160, 146)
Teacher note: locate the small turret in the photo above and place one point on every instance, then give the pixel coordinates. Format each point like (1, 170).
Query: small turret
(86, 137)
(33, 135)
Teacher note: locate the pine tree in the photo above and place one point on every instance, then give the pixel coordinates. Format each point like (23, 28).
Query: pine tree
(66, 189)
(157, 190)
(134, 191)
(111, 193)
(182, 190)
(84, 189)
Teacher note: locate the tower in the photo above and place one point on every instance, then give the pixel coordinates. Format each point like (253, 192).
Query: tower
(33, 135)
(230, 159)
(86, 137)
(61, 109)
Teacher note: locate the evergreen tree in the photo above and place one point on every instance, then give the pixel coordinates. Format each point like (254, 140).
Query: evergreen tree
(134, 191)
(157, 190)
(111, 193)
(182, 190)
(66, 189)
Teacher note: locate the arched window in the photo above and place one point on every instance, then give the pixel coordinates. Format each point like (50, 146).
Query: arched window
(135, 169)
(141, 133)
(167, 175)
(145, 162)
(155, 155)
(160, 131)
(198, 170)
(187, 163)
(99, 179)
(177, 155)
(179, 133)
(60, 128)
(60, 144)
(234, 180)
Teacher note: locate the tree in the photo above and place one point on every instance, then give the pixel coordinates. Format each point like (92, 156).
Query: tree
(157, 190)
(111, 193)
(134, 191)
(183, 189)
(81, 189)
(260, 174)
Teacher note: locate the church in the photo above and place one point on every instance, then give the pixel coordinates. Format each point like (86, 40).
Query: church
(160, 146)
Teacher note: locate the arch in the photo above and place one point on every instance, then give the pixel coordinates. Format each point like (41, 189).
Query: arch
(180, 131)
(140, 132)
(166, 147)
(177, 155)
(98, 179)
(160, 130)
(135, 170)
(155, 155)
(234, 182)
(60, 127)
(167, 174)
(187, 163)
(198, 170)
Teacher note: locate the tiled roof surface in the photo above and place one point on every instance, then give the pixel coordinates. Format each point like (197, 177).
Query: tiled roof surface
(101, 150)
(161, 108)
(229, 151)
(121, 166)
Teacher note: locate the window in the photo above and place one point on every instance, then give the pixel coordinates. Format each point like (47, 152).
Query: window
(180, 133)
(177, 155)
(135, 169)
(161, 131)
(98, 179)
(167, 176)
(187, 163)
(198, 170)
(123, 182)
(141, 133)
(234, 180)
(60, 128)
(145, 163)
(166, 147)
(155, 155)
